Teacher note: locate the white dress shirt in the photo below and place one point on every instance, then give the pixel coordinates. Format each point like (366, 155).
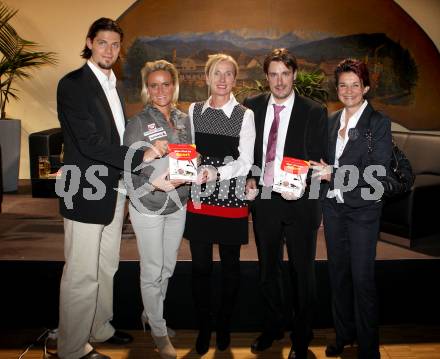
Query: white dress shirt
(341, 142)
(108, 84)
(242, 165)
(282, 132)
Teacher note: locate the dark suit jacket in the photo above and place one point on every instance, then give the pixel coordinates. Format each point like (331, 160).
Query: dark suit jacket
(356, 151)
(306, 139)
(90, 138)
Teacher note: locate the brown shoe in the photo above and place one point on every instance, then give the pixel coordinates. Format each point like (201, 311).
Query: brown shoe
(166, 349)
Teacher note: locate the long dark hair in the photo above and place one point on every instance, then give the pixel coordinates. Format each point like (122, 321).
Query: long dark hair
(102, 24)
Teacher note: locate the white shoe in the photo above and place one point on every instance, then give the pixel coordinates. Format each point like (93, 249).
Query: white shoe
(144, 319)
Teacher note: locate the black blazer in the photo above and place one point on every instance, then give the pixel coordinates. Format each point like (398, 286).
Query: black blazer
(306, 136)
(356, 151)
(306, 139)
(90, 138)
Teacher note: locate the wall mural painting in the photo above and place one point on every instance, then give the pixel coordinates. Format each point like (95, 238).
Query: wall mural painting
(393, 71)
(404, 64)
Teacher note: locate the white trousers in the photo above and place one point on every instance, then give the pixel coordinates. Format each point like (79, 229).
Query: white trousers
(158, 239)
(86, 293)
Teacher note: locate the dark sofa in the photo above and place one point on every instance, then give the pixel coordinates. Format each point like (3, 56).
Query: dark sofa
(412, 215)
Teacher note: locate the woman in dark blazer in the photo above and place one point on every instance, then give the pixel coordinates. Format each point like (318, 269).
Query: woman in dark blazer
(359, 144)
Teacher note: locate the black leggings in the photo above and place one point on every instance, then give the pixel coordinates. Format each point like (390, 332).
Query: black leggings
(202, 266)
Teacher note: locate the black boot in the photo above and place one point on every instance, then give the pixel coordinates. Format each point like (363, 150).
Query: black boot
(223, 338)
(203, 339)
(223, 329)
(204, 336)
(230, 262)
(201, 290)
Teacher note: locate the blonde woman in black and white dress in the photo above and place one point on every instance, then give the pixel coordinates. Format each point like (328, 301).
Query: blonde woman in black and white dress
(224, 133)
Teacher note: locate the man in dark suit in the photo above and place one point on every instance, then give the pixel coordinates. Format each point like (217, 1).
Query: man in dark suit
(92, 119)
(287, 125)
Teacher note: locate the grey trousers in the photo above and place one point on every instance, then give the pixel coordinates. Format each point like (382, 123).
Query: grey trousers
(86, 293)
(158, 239)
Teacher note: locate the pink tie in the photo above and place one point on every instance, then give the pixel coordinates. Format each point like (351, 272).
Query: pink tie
(272, 146)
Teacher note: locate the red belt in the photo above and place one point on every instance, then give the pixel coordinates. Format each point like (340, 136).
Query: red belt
(217, 211)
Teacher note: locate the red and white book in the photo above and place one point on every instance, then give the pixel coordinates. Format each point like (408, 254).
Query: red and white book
(292, 176)
(183, 162)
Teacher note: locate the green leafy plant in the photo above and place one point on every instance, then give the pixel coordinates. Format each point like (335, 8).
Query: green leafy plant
(307, 83)
(17, 58)
(310, 84)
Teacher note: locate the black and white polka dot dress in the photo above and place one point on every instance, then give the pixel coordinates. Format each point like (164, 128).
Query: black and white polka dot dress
(217, 211)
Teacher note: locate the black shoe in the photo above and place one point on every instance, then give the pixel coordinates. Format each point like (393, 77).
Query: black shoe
(265, 340)
(95, 355)
(297, 354)
(119, 338)
(223, 339)
(336, 349)
(202, 341)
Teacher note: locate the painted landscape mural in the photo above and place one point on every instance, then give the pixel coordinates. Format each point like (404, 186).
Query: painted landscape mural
(393, 71)
(404, 63)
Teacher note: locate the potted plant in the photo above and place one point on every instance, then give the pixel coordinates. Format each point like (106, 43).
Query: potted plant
(307, 83)
(17, 57)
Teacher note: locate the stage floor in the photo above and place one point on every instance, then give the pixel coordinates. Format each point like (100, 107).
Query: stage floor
(396, 342)
(31, 229)
(31, 261)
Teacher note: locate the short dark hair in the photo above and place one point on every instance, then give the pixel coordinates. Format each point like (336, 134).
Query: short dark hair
(282, 55)
(353, 65)
(102, 24)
